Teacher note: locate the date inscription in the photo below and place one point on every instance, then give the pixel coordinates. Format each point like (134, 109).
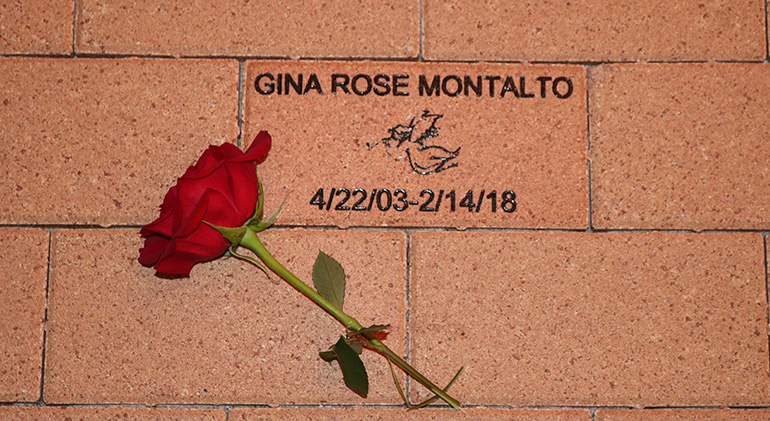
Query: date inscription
(399, 200)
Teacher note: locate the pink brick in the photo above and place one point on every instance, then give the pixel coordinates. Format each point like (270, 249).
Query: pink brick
(59, 413)
(100, 141)
(532, 146)
(244, 414)
(617, 319)
(23, 271)
(227, 334)
(335, 28)
(683, 415)
(590, 30)
(680, 146)
(36, 27)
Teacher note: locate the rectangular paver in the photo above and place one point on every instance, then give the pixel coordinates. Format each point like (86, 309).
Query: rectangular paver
(227, 334)
(23, 271)
(51, 413)
(344, 414)
(335, 28)
(683, 415)
(100, 141)
(589, 30)
(668, 150)
(416, 144)
(614, 319)
(36, 27)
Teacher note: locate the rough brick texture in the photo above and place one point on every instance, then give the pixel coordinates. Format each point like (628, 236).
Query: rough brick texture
(671, 150)
(120, 334)
(682, 415)
(335, 28)
(351, 414)
(41, 413)
(23, 268)
(582, 319)
(589, 30)
(99, 141)
(36, 27)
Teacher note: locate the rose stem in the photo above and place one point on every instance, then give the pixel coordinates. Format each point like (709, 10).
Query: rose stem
(253, 243)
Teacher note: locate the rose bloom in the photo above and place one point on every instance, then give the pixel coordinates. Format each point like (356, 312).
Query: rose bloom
(221, 189)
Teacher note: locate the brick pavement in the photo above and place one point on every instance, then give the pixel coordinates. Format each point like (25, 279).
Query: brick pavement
(589, 240)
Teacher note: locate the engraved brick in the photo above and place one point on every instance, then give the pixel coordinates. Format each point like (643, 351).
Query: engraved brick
(335, 28)
(60, 413)
(99, 141)
(227, 334)
(584, 30)
(683, 415)
(343, 414)
(372, 139)
(36, 27)
(615, 319)
(671, 150)
(23, 268)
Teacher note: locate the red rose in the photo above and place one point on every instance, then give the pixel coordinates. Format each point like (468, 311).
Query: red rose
(221, 189)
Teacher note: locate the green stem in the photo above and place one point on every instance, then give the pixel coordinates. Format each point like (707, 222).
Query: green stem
(253, 243)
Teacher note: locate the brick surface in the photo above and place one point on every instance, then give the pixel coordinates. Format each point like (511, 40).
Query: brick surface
(50, 413)
(683, 415)
(38, 27)
(335, 28)
(119, 334)
(535, 147)
(583, 30)
(23, 271)
(617, 319)
(244, 414)
(668, 150)
(100, 141)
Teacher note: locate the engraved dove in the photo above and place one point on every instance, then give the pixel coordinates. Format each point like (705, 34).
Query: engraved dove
(415, 142)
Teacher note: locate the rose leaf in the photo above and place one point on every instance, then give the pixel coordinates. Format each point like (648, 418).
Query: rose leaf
(329, 279)
(353, 370)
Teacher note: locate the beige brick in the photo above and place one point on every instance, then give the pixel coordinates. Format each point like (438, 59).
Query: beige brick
(535, 147)
(23, 271)
(683, 415)
(244, 414)
(616, 319)
(99, 141)
(63, 413)
(227, 334)
(680, 146)
(335, 28)
(586, 30)
(36, 27)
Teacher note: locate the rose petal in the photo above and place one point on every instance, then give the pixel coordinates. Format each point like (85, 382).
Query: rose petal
(188, 223)
(231, 151)
(174, 263)
(258, 149)
(220, 211)
(192, 190)
(203, 169)
(245, 187)
(152, 250)
(202, 244)
(169, 201)
(164, 225)
(206, 160)
(193, 242)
